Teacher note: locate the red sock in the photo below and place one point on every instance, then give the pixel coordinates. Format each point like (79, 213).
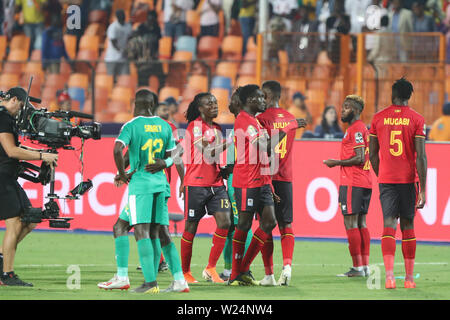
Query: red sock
(365, 245)
(409, 252)
(218, 242)
(267, 255)
(354, 246)
(388, 250)
(186, 251)
(259, 237)
(238, 252)
(287, 245)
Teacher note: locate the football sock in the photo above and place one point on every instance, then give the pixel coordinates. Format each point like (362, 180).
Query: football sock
(287, 245)
(122, 247)
(267, 255)
(238, 252)
(146, 258)
(186, 250)
(218, 242)
(248, 240)
(388, 250)
(258, 239)
(365, 245)
(228, 251)
(173, 260)
(409, 252)
(156, 243)
(354, 246)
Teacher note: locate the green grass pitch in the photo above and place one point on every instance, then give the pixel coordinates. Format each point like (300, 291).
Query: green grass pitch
(44, 259)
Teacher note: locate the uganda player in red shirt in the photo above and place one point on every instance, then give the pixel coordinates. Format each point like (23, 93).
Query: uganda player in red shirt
(251, 181)
(397, 153)
(355, 188)
(205, 191)
(274, 119)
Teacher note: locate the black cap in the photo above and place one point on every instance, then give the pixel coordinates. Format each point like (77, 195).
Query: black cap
(171, 100)
(17, 92)
(298, 95)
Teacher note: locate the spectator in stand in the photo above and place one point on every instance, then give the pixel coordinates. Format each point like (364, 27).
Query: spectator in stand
(435, 8)
(305, 48)
(381, 50)
(209, 17)
(84, 11)
(33, 20)
(116, 53)
(300, 111)
(285, 10)
(103, 5)
(440, 130)
(401, 21)
(421, 21)
(329, 127)
(247, 20)
(356, 9)
(175, 17)
(7, 24)
(172, 103)
(51, 9)
(53, 48)
(337, 23)
(324, 8)
(143, 49)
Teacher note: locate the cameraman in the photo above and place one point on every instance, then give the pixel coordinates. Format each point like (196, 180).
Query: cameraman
(13, 198)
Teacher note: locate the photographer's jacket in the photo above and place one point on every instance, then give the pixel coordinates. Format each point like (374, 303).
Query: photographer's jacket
(8, 125)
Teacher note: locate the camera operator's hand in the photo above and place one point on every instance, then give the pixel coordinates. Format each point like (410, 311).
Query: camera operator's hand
(50, 158)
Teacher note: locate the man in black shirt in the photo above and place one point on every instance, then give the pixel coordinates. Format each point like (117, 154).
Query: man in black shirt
(13, 198)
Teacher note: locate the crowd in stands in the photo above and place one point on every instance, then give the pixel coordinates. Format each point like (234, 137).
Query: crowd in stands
(148, 33)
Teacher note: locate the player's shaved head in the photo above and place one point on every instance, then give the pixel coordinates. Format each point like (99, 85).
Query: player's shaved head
(144, 102)
(274, 87)
(402, 89)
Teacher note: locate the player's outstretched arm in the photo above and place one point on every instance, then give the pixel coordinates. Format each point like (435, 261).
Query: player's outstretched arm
(120, 162)
(374, 147)
(421, 163)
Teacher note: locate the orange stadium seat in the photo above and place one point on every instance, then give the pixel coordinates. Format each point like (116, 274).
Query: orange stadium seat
(244, 80)
(104, 81)
(3, 44)
(247, 68)
(123, 117)
(222, 96)
(20, 42)
(117, 106)
(70, 42)
(232, 47)
(89, 42)
(101, 98)
(96, 29)
(12, 67)
(127, 81)
(153, 83)
(208, 48)
(193, 22)
(53, 80)
(284, 63)
(122, 94)
(166, 92)
(20, 55)
(225, 118)
(227, 69)
(182, 56)
(189, 93)
(78, 80)
(98, 16)
(8, 80)
(198, 82)
(165, 48)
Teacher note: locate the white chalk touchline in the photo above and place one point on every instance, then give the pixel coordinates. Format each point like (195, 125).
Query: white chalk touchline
(197, 265)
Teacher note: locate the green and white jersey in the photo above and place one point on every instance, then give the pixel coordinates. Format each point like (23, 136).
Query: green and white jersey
(147, 138)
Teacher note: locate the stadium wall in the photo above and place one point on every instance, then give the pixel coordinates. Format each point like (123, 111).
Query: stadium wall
(316, 211)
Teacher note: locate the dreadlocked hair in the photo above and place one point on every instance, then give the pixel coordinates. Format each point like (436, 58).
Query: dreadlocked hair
(192, 111)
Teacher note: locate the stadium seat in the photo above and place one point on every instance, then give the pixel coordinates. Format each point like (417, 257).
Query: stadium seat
(19, 55)
(20, 42)
(166, 92)
(193, 22)
(244, 80)
(182, 56)
(89, 42)
(123, 117)
(232, 48)
(36, 85)
(221, 82)
(96, 29)
(127, 81)
(12, 67)
(100, 99)
(3, 44)
(227, 69)
(122, 94)
(198, 82)
(187, 43)
(70, 42)
(116, 106)
(222, 96)
(208, 48)
(36, 55)
(101, 68)
(153, 83)
(165, 48)
(104, 81)
(251, 44)
(225, 118)
(189, 93)
(284, 63)
(78, 80)
(8, 80)
(78, 94)
(250, 56)
(98, 16)
(247, 68)
(54, 80)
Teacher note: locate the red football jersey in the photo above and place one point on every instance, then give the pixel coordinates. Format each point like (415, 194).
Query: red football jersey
(396, 127)
(175, 135)
(251, 167)
(356, 136)
(273, 120)
(201, 172)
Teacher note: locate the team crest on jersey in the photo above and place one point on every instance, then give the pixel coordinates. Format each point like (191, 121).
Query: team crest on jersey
(252, 131)
(197, 132)
(359, 137)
